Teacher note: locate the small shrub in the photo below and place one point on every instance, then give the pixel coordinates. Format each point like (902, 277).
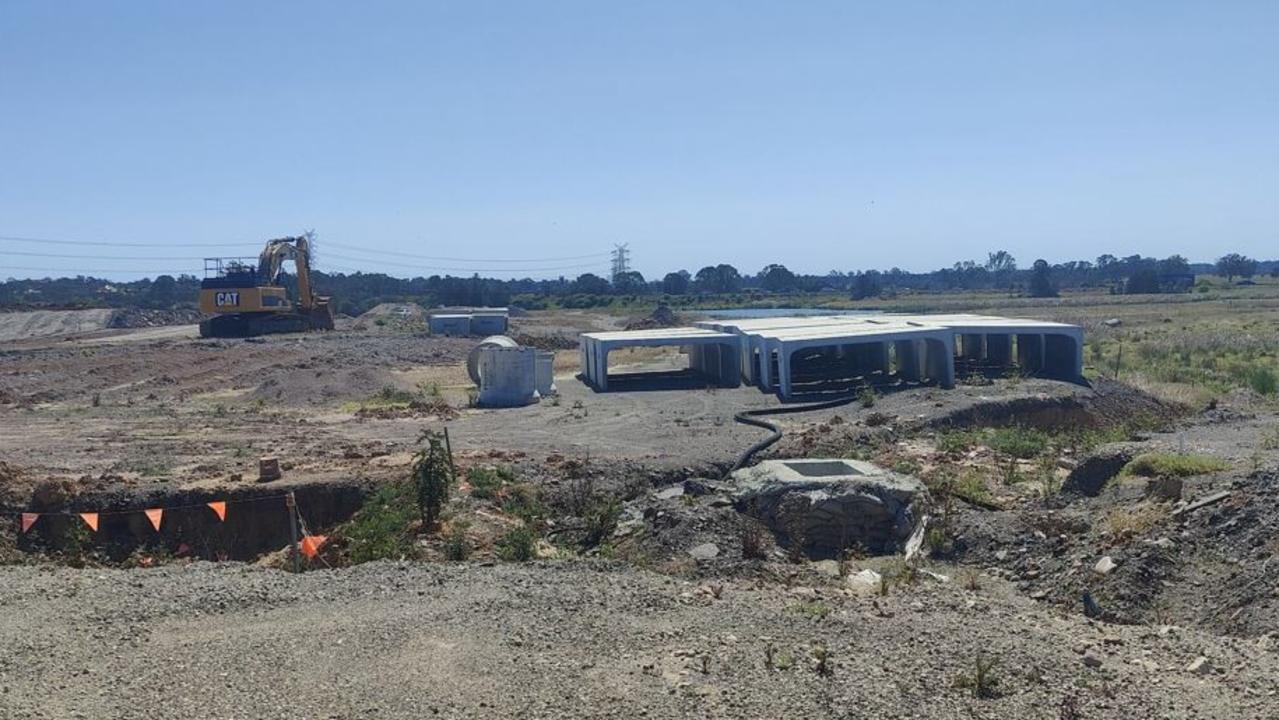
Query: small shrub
(907, 467)
(754, 540)
(867, 398)
(982, 680)
(812, 609)
(956, 442)
(523, 501)
(432, 476)
(486, 483)
(601, 520)
(971, 487)
(1019, 442)
(1173, 465)
(1262, 380)
(381, 528)
(518, 545)
(1270, 441)
(1122, 523)
(456, 547)
(821, 661)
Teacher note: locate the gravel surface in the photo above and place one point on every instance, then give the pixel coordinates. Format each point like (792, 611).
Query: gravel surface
(575, 639)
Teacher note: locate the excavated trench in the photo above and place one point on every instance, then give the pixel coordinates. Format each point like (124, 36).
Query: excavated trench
(256, 522)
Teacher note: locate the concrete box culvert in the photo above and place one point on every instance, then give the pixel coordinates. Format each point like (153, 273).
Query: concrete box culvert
(831, 504)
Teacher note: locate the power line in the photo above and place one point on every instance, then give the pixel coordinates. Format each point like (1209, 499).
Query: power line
(414, 256)
(79, 256)
(84, 271)
(432, 268)
(105, 243)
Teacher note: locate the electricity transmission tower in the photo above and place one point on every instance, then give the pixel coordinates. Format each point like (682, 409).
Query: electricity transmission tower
(621, 260)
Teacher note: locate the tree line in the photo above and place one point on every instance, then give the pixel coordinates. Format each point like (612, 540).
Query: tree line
(356, 292)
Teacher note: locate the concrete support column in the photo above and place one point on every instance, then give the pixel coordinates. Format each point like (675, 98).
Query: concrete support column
(877, 357)
(972, 346)
(1030, 352)
(909, 360)
(730, 366)
(999, 349)
(783, 372)
(939, 360)
(766, 367)
(697, 360)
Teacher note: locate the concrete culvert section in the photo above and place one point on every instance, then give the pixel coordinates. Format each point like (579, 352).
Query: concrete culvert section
(828, 505)
(713, 357)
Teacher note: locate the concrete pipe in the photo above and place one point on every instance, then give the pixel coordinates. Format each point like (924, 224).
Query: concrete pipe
(473, 359)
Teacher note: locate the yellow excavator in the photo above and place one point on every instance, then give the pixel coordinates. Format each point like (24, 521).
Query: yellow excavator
(247, 300)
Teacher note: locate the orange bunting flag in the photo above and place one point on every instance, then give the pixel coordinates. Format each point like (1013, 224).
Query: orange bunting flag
(155, 515)
(311, 545)
(29, 519)
(219, 509)
(90, 519)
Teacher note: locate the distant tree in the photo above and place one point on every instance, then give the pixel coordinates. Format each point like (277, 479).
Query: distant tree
(591, 284)
(1236, 265)
(722, 278)
(1173, 265)
(1274, 271)
(675, 283)
(1143, 281)
(1000, 261)
(630, 282)
(1041, 282)
(867, 285)
(777, 278)
(163, 292)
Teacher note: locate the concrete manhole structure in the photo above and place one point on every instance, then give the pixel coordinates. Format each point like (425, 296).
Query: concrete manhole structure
(828, 505)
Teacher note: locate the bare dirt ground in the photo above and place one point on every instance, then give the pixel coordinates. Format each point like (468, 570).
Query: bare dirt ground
(582, 640)
(1190, 623)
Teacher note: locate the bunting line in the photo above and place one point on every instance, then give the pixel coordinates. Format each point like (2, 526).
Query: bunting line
(154, 515)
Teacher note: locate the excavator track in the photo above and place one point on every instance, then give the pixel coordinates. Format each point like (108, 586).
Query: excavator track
(243, 325)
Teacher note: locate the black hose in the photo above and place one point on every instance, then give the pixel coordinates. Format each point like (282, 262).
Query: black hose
(751, 417)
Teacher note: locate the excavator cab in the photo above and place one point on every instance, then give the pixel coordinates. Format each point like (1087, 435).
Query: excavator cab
(247, 298)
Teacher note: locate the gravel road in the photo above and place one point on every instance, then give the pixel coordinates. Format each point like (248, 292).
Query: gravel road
(575, 639)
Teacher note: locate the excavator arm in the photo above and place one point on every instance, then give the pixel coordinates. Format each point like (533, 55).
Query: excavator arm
(297, 249)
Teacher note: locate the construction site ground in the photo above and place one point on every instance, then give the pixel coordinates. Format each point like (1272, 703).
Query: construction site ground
(1190, 613)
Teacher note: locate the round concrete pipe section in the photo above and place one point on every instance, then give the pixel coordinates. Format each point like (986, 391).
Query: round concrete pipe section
(473, 359)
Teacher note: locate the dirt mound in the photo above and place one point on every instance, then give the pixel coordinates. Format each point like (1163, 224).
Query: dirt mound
(50, 323)
(147, 317)
(662, 317)
(548, 341)
(402, 316)
(1109, 404)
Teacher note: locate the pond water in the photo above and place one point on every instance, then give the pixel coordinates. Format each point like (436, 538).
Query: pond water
(745, 313)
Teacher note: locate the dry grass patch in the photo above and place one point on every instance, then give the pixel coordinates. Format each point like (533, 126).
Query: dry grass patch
(1124, 523)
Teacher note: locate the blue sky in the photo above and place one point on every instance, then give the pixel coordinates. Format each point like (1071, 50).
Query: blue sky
(823, 135)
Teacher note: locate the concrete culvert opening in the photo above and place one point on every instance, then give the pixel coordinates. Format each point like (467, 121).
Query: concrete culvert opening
(823, 468)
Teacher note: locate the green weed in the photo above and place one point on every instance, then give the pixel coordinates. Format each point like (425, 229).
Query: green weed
(1173, 465)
